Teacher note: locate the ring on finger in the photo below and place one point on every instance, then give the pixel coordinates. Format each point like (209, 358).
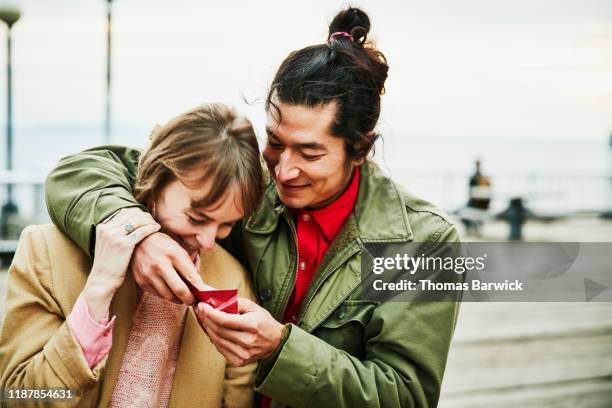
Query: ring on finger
(128, 227)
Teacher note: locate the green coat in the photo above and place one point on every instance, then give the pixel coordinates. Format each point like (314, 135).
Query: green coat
(345, 351)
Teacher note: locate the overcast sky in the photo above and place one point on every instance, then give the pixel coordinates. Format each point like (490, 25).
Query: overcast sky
(485, 69)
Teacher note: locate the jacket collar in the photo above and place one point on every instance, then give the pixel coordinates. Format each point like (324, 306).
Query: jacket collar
(379, 214)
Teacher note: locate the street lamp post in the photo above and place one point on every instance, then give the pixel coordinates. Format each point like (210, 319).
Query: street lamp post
(10, 17)
(107, 122)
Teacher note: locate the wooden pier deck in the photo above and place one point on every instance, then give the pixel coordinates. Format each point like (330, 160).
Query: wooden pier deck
(533, 355)
(530, 355)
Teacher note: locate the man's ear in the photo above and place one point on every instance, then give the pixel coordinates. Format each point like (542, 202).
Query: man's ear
(358, 162)
(364, 146)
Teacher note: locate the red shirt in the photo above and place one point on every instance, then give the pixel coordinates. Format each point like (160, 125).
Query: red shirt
(316, 229)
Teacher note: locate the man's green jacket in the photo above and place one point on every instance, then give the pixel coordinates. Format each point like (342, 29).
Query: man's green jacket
(345, 351)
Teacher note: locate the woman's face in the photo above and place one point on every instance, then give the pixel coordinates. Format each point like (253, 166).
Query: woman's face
(196, 228)
(309, 165)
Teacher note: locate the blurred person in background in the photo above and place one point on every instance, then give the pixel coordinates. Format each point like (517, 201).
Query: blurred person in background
(319, 341)
(200, 175)
(475, 213)
(480, 189)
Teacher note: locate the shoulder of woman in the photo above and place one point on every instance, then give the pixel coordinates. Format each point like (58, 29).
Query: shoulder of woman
(35, 242)
(52, 258)
(48, 241)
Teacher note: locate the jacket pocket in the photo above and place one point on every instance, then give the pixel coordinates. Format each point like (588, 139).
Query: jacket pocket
(345, 327)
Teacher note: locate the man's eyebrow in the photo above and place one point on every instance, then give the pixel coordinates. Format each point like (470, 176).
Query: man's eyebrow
(311, 145)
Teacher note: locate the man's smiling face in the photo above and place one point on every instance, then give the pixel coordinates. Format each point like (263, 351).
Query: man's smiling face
(310, 166)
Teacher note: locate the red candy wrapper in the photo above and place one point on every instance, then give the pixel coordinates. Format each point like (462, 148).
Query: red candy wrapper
(224, 300)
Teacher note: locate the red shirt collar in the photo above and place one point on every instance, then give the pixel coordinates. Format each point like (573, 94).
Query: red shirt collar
(331, 218)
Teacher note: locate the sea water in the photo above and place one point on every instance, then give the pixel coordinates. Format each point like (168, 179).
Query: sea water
(551, 176)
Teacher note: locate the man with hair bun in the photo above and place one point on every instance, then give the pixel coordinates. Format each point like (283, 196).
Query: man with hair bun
(318, 340)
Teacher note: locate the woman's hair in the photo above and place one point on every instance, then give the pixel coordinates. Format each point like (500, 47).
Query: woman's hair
(211, 139)
(347, 70)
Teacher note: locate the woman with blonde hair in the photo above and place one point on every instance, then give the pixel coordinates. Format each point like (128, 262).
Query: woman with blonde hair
(200, 175)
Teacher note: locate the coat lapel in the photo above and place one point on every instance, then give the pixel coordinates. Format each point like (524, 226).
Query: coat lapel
(379, 215)
(197, 355)
(328, 289)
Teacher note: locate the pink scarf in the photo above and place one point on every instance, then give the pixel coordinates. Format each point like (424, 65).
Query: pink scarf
(147, 370)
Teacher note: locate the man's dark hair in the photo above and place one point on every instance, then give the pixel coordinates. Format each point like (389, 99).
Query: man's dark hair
(349, 72)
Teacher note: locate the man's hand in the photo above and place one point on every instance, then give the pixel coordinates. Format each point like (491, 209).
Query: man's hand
(157, 262)
(251, 335)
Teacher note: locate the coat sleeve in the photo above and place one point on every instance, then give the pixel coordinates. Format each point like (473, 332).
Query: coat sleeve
(87, 187)
(37, 347)
(406, 346)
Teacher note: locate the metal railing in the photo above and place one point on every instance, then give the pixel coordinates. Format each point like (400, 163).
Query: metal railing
(547, 193)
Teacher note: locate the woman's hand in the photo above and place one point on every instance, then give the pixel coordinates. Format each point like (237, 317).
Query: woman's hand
(249, 336)
(115, 242)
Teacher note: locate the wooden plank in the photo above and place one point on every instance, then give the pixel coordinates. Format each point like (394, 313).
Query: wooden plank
(505, 321)
(507, 364)
(590, 393)
(530, 355)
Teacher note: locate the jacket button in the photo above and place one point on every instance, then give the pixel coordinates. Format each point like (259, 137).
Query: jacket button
(341, 314)
(265, 295)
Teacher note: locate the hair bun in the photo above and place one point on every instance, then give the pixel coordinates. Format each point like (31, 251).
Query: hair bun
(353, 21)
